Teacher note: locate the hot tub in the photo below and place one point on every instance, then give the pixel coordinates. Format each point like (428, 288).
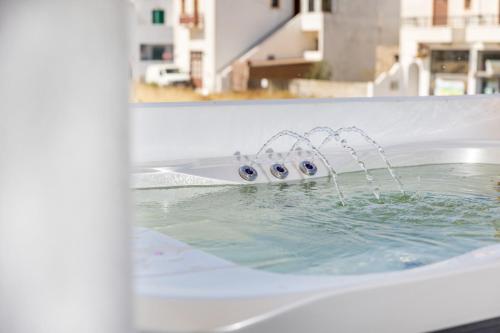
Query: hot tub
(200, 147)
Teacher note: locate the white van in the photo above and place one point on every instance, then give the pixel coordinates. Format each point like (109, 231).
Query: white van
(166, 74)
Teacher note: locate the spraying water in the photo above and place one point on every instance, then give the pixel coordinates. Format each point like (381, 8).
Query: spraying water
(301, 138)
(333, 134)
(343, 142)
(352, 129)
(380, 150)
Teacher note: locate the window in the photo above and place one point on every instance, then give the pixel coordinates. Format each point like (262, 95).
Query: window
(197, 68)
(169, 71)
(467, 4)
(450, 61)
(158, 16)
(172, 71)
(310, 6)
(440, 12)
(488, 56)
(275, 3)
(183, 7)
(157, 52)
(326, 6)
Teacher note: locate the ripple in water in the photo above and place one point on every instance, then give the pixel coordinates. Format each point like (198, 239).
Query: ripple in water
(301, 228)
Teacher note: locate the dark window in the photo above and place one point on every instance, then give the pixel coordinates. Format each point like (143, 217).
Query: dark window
(485, 56)
(467, 4)
(157, 52)
(310, 6)
(296, 7)
(169, 71)
(275, 3)
(197, 68)
(326, 5)
(158, 16)
(450, 61)
(490, 86)
(394, 85)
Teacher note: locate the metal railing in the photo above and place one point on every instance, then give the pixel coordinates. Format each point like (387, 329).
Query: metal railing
(191, 20)
(451, 21)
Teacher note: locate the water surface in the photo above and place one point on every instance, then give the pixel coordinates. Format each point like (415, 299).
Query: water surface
(301, 228)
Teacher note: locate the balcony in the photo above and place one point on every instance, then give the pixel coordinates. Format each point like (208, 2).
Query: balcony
(191, 20)
(455, 22)
(313, 55)
(312, 22)
(454, 29)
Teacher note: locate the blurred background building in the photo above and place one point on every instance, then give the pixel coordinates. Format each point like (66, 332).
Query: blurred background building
(450, 46)
(319, 48)
(151, 34)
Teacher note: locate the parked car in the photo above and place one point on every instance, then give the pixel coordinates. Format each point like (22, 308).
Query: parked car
(166, 74)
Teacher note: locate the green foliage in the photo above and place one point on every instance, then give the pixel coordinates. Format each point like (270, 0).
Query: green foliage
(319, 71)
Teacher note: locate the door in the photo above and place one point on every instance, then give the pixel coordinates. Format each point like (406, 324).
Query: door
(296, 7)
(197, 68)
(440, 12)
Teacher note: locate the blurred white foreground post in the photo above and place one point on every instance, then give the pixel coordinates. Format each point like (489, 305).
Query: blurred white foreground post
(64, 233)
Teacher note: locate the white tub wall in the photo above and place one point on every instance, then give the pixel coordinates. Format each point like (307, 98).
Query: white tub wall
(188, 290)
(64, 233)
(391, 308)
(165, 132)
(421, 304)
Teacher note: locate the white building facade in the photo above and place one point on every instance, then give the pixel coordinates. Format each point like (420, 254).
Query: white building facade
(450, 47)
(239, 44)
(210, 34)
(151, 34)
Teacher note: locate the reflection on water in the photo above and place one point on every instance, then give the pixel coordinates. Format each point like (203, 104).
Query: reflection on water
(302, 227)
(498, 190)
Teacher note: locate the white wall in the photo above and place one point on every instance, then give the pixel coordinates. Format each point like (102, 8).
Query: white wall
(352, 33)
(209, 44)
(306, 88)
(416, 8)
(181, 40)
(483, 34)
(388, 21)
(240, 25)
(390, 83)
(142, 31)
(200, 130)
(288, 42)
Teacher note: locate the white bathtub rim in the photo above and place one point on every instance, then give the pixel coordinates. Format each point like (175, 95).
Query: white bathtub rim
(223, 170)
(471, 261)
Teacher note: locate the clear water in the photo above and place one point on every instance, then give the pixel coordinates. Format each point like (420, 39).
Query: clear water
(302, 228)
